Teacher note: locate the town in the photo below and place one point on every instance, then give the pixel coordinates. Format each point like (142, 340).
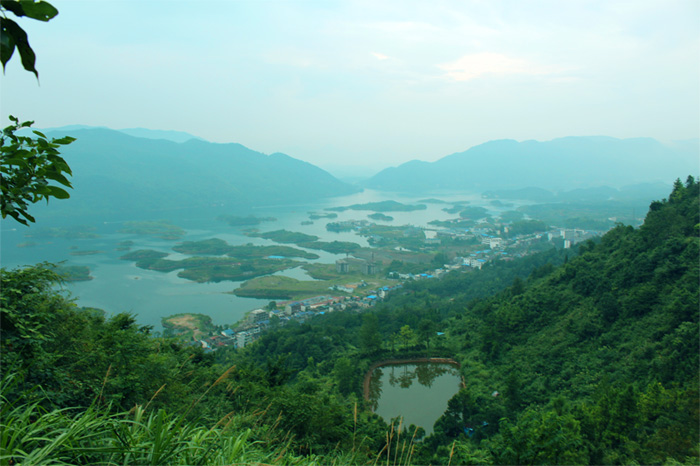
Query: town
(484, 244)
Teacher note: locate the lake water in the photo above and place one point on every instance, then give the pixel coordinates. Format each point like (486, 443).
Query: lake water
(418, 392)
(120, 286)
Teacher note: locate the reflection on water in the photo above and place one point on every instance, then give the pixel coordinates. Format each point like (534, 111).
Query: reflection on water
(393, 392)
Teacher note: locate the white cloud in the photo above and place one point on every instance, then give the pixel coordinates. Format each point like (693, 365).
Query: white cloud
(475, 65)
(380, 56)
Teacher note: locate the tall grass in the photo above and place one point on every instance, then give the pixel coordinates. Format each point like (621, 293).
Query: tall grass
(31, 434)
(397, 452)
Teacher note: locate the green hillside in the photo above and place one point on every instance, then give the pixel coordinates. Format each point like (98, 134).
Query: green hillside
(569, 357)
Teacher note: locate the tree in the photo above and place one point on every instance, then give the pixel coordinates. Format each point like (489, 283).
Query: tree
(28, 165)
(426, 329)
(407, 335)
(370, 339)
(344, 373)
(539, 437)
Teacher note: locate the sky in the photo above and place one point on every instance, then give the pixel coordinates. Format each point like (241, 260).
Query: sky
(357, 86)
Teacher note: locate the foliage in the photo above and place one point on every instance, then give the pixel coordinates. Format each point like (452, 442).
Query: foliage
(33, 435)
(569, 359)
(29, 166)
(13, 36)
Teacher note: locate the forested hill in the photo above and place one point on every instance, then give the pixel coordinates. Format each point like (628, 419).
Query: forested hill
(588, 358)
(599, 360)
(119, 173)
(594, 361)
(564, 163)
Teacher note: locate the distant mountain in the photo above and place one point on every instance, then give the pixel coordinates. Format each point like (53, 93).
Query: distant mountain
(175, 136)
(566, 163)
(115, 172)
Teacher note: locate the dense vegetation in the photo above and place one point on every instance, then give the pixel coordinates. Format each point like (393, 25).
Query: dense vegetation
(593, 357)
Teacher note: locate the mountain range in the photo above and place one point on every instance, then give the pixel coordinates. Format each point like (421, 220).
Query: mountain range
(126, 174)
(564, 163)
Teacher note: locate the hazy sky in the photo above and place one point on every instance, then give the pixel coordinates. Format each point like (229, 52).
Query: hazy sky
(366, 83)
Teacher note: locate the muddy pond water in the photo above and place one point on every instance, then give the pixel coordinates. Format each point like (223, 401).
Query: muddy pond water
(418, 392)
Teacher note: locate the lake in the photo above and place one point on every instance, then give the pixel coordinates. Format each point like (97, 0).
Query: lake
(120, 286)
(418, 392)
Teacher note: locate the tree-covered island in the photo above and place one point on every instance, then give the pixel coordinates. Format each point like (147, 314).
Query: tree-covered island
(381, 206)
(159, 228)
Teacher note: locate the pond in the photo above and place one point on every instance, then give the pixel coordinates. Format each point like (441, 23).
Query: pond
(416, 391)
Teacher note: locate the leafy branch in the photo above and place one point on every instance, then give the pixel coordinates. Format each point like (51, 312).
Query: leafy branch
(28, 166)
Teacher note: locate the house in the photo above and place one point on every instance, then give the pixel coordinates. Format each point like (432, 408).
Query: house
(244, 338)
(292, 308)
(258, 315)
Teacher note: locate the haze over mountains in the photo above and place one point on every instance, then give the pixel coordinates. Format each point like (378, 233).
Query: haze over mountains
(127, 174)
(564, 163)
(145, 171)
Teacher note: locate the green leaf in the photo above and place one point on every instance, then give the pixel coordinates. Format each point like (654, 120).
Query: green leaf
(7, 26)
(7, 47)
(59, 178)
(14, 6)
(41, 11)
(58, 193)
(64, 140)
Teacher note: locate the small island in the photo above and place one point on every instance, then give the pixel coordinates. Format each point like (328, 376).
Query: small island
(210, 269)
(158, 228)
(124, 245)
(382, 206)
(219, 247)
(144, 258)
(283, 236)
(235, 221)
(381, 217)
(85, 253)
